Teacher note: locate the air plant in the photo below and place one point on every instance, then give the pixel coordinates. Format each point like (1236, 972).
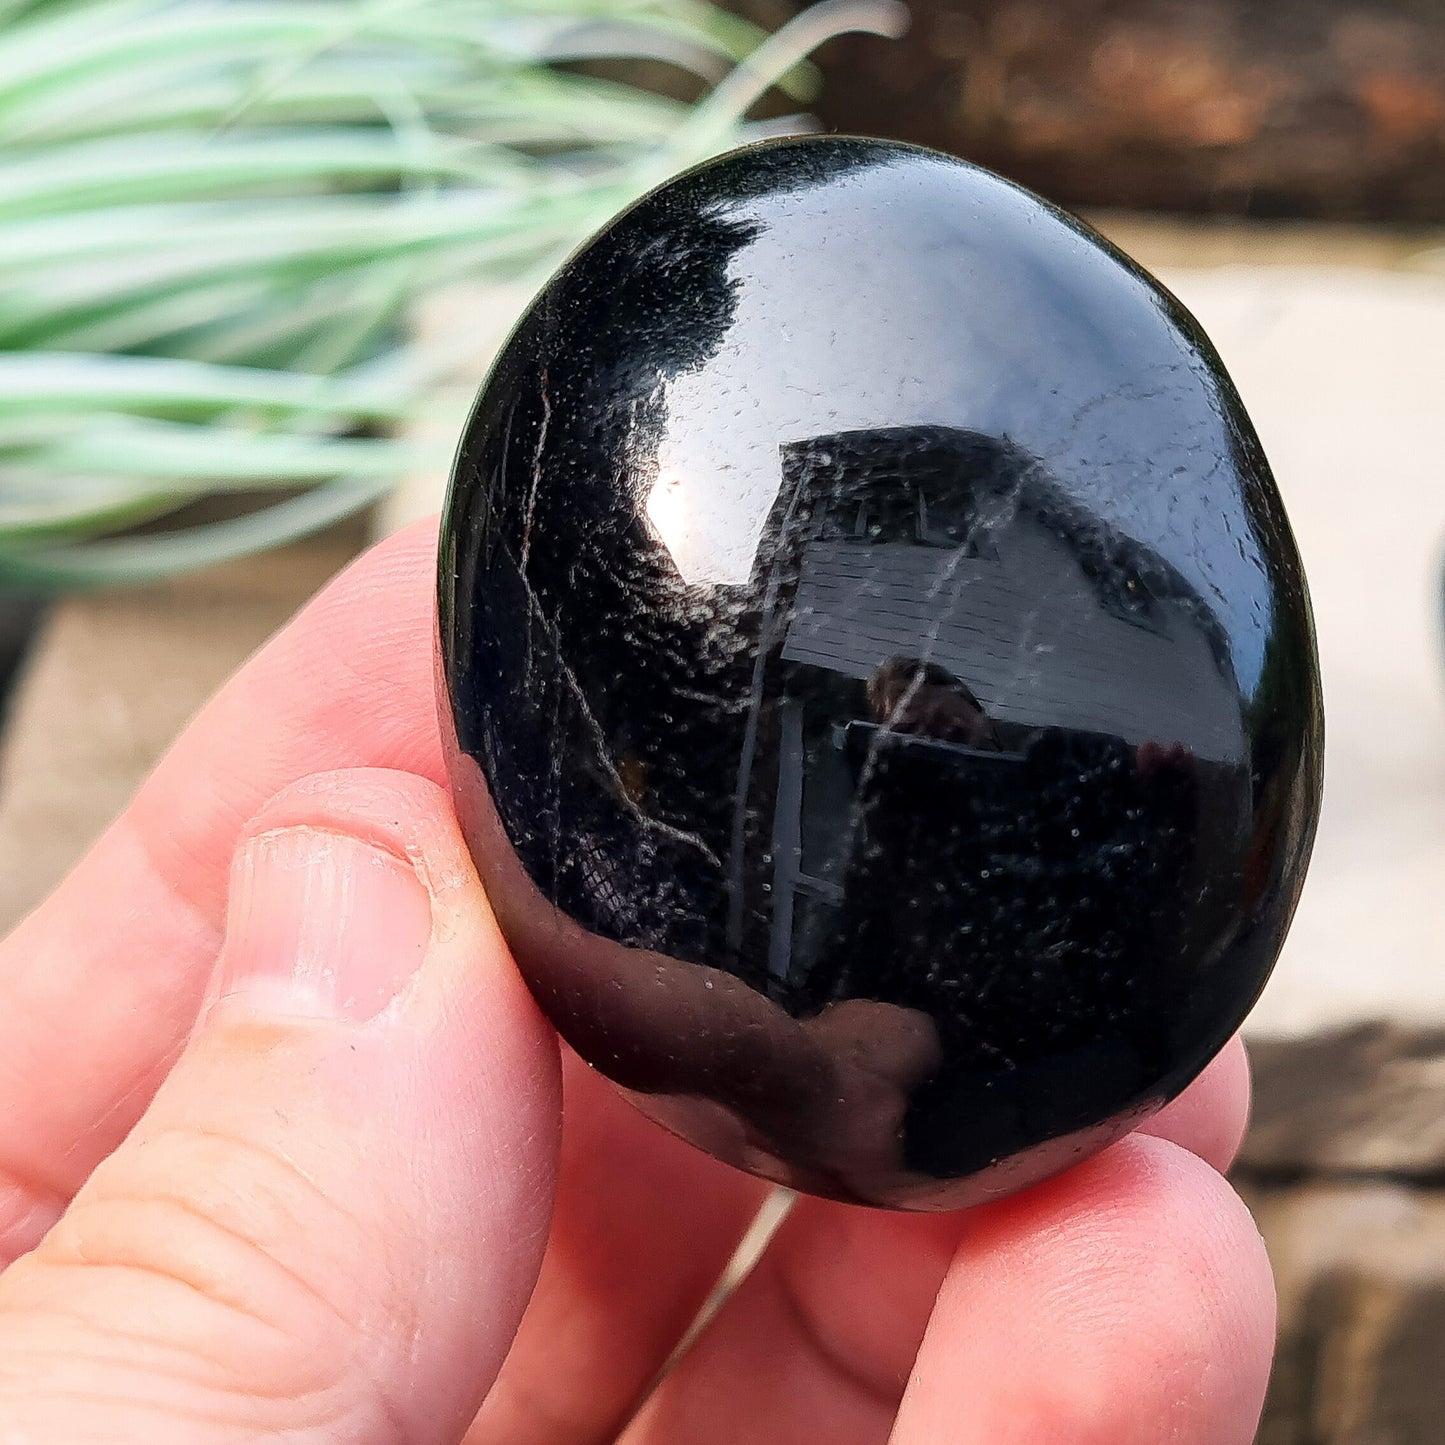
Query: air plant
(218, 218)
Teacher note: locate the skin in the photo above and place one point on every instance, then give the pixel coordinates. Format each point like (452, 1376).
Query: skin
(229, 1213)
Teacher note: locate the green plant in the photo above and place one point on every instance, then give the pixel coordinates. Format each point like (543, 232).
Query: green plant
(217, 216)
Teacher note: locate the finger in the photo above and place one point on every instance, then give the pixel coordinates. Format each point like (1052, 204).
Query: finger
(328, 1222)
(100, 985)
(824, 1332)
(1210, 1117)
(1125, 1303)
(644, 1226)
(828, 1324)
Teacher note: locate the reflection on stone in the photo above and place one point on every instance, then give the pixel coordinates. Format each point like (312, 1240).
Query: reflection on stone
(907, 814)
(908, 695)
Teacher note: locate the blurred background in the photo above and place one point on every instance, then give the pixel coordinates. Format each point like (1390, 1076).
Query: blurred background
(254, 259)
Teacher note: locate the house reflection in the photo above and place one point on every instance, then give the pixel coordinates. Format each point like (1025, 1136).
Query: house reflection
(1001, 740)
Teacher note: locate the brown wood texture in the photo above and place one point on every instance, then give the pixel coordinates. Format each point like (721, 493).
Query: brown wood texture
(1319, 108)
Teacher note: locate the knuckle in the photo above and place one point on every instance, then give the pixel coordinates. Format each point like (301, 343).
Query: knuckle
(246, 1280)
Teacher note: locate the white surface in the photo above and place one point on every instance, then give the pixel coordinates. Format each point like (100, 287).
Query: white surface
(1343, 371)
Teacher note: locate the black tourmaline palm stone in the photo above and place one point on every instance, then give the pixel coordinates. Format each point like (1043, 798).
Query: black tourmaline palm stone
(883, 697)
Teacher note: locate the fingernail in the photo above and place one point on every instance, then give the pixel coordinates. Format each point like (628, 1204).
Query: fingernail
(322, 925)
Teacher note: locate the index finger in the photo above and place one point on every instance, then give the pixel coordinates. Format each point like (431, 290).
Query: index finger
(1129, 1301)
(100, 984)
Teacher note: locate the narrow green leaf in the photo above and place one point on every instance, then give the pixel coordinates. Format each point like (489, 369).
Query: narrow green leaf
(183, 165)
(146, 558)
(34, 513)
(38, 382)
(152, 451)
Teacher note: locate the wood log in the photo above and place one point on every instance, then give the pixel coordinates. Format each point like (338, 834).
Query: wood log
(1310, 108)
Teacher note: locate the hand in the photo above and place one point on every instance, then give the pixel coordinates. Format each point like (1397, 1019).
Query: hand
(326, 1203)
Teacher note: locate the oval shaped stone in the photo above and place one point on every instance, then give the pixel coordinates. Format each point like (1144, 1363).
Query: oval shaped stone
(880, 683)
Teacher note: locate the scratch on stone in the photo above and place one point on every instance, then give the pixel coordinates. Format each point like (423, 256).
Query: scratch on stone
(531, 507)
(599, 738)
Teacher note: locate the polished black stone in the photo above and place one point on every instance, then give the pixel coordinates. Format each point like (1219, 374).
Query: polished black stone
(883, 692)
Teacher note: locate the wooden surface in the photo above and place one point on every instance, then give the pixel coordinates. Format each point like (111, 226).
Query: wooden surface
(1327, 108)
(113, 677)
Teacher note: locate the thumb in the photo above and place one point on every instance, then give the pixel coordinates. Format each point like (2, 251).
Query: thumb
(328, 1223)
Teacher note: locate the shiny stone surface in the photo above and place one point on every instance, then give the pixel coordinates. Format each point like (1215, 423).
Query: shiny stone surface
(881, 689)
